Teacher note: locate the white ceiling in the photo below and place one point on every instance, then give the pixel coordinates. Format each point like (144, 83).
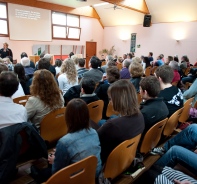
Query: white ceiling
(161, 11)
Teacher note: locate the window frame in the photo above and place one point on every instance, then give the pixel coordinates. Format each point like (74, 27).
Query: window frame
(5, 19)
(66, 26)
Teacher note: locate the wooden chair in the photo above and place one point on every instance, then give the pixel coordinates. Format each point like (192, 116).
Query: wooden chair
(148, 71)
(149, 141)
(187, 70)
(195, 105)
(139, 98)
(172, 123)
(96, 110)
(185, 113)
(80, 172)
(21, 100)
(153, 70)
(110, 111)
(121, 158)
(187, 85)
(53, 125)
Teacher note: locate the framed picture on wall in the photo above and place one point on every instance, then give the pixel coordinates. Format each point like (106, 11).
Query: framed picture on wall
(133, 42)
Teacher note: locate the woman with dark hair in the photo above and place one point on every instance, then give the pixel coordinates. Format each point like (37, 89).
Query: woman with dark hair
(58, 64)
(146, 63)
(45, 97)
(130, 123)
(80, 141)
(20, 71)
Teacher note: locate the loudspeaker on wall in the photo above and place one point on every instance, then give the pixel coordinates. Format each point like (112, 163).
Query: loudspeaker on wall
(147, 21)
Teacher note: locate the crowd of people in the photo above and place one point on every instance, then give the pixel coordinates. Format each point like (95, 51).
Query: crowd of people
(68, 83)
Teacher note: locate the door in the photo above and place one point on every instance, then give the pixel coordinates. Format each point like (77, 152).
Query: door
(90, 51)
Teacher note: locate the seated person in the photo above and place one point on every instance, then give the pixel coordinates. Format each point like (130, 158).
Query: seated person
(29, 71)
(49, 57)
(136, 71)
(94, 73)
(45, 97)
(124, 73)
(153, 108)
(20, 71)
(108, 58)
(11, 113)
(87, 91)
(58, 64)
(172, 96)
(159, 61)
(128, 125)
(179, 149)
(80, 142)
(191, 76)
(81, 68)
(174, 65)
(112, 75)
(19, 92)
(24, 54)
(191, 92)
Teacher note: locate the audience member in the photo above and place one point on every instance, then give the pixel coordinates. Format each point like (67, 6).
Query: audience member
(101, 91)
(150, 57)
(130, 56)
(87, 91)
(174, 65)
(71, 54)
(20, 71)
(184, 62)
(136, 72)
(146, 63)
(124, 73)
(149, 90)
(191, 76)
(108, 58)
(8, 63)
(81, 69)
(68, 76)
(76, 61)
(29, 71)
(172, 95)
(58, 64)
(49, 57)
(128, 125)
(80, 142)
(168, 60)
(124, 56)
(94, 73)
(45, 96)
(11, 113)
(159, 61)
(24, 54)
(191, 92)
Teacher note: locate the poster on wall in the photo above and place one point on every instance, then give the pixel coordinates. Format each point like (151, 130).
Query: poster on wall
(133, 42)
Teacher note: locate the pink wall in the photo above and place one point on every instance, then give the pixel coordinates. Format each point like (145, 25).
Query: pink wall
(88, 25)
(159, 38)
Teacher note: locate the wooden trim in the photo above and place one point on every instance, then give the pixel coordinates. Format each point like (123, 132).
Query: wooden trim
(7, 20)
(83, 11)
(99, 19)
(143, 10)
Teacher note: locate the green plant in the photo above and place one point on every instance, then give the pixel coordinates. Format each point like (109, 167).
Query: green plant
(108, 52)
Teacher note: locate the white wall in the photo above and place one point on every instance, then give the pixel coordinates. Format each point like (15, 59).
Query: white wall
(159, 39)
(91, 30)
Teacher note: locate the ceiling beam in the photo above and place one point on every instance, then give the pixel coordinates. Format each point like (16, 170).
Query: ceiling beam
(135, 5)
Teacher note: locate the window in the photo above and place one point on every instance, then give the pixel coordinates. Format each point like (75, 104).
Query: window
(3, 20)
(65, 26)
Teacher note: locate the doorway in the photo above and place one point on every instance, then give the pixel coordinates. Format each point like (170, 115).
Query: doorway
(90, 51)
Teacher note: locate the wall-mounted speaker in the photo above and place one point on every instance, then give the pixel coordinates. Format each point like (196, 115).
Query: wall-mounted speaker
(147, 21)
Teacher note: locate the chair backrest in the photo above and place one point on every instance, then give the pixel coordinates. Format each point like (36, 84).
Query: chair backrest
(185, 113)
(96, 110)
(148, 71)
(187, 71)
(110, 110)
(53, 125)
(175, 83)
(187, 85)
(150, 141)
(153, 70)
(82, 172)
(121, 158)
(21, 100)
(172, 123)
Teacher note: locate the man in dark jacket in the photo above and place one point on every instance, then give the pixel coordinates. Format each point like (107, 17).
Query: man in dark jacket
(153, 108)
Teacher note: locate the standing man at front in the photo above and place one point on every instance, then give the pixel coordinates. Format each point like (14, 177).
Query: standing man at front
(5, 51)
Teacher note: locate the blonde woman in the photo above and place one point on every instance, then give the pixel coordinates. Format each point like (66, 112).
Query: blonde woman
(45, 96)
(68, 76)
(8, 63)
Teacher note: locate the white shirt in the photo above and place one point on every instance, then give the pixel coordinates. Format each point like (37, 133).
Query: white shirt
(57, 69)
(64, 85)
(19, 92)
(11, 113)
